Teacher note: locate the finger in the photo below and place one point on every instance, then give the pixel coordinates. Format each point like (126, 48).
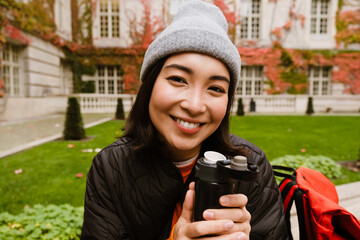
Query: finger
(192, 186)
(203, 228)
(188, 206)
(235, 214)
(233, 200)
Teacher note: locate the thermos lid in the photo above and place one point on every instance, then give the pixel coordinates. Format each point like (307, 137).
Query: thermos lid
(211, 157)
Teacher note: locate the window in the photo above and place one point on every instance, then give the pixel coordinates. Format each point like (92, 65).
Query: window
(319, 17)
(109, 80)
(320, 81)
(250, 19)
(251, 80)
(11, 69)
(109, 18)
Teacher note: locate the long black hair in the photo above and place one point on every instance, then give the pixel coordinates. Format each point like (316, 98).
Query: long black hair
(141, 131)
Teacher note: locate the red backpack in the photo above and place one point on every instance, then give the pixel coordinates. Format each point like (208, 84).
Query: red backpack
(317, 205)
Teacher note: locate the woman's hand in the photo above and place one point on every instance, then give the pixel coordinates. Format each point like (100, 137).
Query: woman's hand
(230, 223)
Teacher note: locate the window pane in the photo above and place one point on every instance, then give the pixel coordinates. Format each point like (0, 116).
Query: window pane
(255, 28)
(316, 88)
(258, 89)
(248, 87)
(16, 81)
(115, 6)
(115, 26)
(119, 86)
(118, 71)
(326, 72)
(101, 71)
(313, 25)
(244, 28)
(313, 7)
(110, 71)
(103, 6)
(104, 26)
(6, 77)
(316, 72)
(324, 7)
(111, 86)
(256, 6)
(325, 88)
(102, 86)
(323, 25)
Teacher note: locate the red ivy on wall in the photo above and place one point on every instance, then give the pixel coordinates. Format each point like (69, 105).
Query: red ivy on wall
(348, 27)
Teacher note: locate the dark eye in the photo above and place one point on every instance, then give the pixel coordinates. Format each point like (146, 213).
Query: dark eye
(217, 89)
(176, 79)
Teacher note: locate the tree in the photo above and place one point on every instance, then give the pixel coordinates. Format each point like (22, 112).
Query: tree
(310, 108)
(74, 129)
(120, 110)
(240, 109)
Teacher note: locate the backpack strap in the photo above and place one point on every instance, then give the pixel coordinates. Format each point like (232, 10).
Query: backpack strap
(290, 191)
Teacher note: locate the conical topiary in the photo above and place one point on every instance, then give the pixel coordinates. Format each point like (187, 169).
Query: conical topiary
(310, 108)
(252, 105)
(240, 109)
(74, 129)
(120, 110)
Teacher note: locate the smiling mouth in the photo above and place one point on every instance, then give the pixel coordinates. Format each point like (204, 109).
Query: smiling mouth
(186, 124)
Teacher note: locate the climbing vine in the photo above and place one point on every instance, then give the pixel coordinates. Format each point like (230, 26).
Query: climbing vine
(348, 27)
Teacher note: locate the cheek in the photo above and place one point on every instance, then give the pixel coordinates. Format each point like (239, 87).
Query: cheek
(218, 110)
(160, 100)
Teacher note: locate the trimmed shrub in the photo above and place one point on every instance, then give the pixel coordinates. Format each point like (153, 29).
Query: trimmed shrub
(240, 109)
(43, 222)
(325, 165)
(252, 105)
(310, 107)
(120, 114)
(74, 127)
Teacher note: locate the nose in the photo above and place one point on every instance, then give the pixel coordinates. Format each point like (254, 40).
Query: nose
(194, 102)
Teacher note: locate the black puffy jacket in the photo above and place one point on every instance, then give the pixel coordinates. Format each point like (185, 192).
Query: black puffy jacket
(130, 195)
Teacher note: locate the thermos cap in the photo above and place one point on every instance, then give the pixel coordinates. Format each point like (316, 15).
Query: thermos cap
(239, 163)
(211, 157)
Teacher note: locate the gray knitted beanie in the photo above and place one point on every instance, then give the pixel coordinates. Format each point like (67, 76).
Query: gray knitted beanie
(197, 27)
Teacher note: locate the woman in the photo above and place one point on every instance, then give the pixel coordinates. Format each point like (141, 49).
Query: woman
(141, 186)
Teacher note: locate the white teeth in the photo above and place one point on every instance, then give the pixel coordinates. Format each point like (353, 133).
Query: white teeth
(187, 124)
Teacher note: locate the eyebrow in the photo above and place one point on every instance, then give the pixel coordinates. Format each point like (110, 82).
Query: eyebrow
(189, 71)
(180, 67)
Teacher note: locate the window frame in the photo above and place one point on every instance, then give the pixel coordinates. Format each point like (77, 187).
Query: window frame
(248, 20)
(102, 82)
(109, 19)
(12, 79)
(316, 83)
(251, 83)
(316, 17)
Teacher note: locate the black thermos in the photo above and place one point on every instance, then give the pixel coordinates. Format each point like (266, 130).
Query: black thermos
(215, 177)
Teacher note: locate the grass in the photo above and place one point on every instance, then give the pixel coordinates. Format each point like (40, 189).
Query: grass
(49, 170)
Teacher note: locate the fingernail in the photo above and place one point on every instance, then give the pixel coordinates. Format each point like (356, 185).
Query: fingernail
(241, 236)
(229, 225)
(224, 200)
(209, 215)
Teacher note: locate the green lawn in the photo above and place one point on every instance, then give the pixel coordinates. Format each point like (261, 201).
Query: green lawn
(49, 170)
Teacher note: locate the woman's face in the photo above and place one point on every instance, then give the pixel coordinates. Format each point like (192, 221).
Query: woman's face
(189, 101)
